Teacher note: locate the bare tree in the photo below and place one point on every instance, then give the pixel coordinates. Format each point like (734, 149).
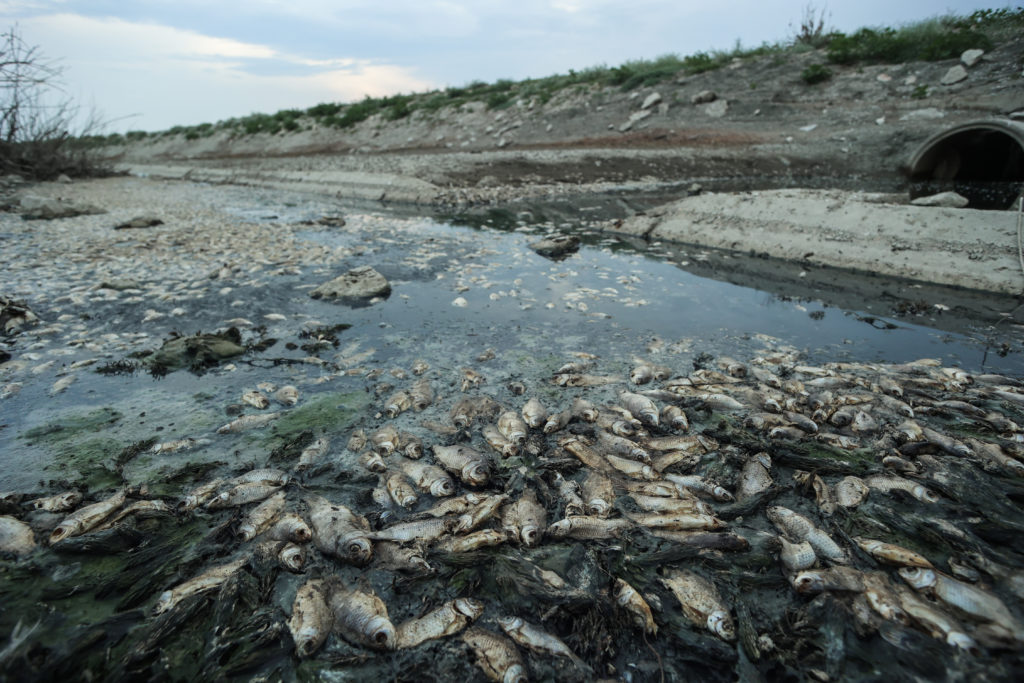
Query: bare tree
(42, 132)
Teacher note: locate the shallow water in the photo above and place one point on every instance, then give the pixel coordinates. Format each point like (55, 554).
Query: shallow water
(616, 299)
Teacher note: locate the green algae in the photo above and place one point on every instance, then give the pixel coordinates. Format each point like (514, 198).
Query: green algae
(71, 426)
(328, 413)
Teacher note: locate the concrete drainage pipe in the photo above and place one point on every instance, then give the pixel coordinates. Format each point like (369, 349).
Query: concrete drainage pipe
(981, 160)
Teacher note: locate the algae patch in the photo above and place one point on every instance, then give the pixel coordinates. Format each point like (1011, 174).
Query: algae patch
(329, 413)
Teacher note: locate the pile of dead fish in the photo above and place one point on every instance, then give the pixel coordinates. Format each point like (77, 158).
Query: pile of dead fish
(899, 483)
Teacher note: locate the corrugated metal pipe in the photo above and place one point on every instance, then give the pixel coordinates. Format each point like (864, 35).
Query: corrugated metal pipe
(981, 160)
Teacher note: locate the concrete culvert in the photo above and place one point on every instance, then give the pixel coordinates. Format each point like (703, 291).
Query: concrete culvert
(981, 160)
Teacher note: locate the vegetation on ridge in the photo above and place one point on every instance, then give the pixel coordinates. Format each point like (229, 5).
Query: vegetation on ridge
(935, 39)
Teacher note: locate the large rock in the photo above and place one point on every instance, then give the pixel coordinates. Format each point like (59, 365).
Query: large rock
(716, 109)
(971, 57)
(45, 208)
(954, 75)
(557, 246)
(652, 99)
(950, 200)
(139, 222)
(634, 118)
(703, 97)
(356, 286)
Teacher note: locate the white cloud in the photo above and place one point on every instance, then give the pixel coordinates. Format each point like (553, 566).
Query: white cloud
(149, 76)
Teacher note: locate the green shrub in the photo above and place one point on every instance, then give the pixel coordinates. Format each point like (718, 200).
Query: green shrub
(920, 92)
(928, 41)
(815, 73)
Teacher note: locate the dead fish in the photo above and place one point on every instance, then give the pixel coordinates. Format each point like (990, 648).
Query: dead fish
(62, 384)
(642, 373)
(569, 493)
(263, 475)
(455, 506)
(831, 579)
(422, 394)
(978, 603)
(422, 530)
(583, 409)
(356, 441)
(205, 582)
(630, 600)
(480, 513)
(701, 602)
(311, 453)
(397, 403)
(623, 446)
(241, 495)
(470, 465)
(937, 623)
(10, 389)
(525, 519)
(140, 508)
(312, 620)
(373, 461)
(419, 366)
(186, 444)
(722, 402)
(290, 527)
(529, 636)
(851, 491)
(631, 468)
(256, 399)
(580, 380)
(946, 443)
(287, 395)
(478, 539)
(466, 410)
(598, 494)
(512, 427)
(16, 537)
(385, 440)
(796, 556)
(496, 440)
(585, 527)
(891, 554)
(58, 503)
(887, 483)
(362, 618)
(643, 408)
(754, 477)
(799, 528)
(496, 656)
(470, 378)
(400, 489)
(557, 422)
(446, 620)
(685, 461)
(288, 555)
(534, 413)
(427, 477)
(338, 531)
(199, 495)
(675, 418)
(247, 422)
(84, 519)
(699, 484)
(403, 558)
(262, 516)
(687, 505)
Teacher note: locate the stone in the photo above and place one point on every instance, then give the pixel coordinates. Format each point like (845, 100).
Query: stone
(355, 286)
(716, 109)
(139, 222)
(950, 200)
(954, 75)
(703, 97)
(925, 114)
(634, 118)
(651, 100)
(557, 246)
(45, 208)
(63, 178)
(970, 57)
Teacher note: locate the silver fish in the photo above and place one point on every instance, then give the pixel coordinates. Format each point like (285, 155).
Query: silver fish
(205, 582)
(86, 518)
(338, 531)
(362, 619)
(701, 602)
(496, 656)
(311, 619)
(446, 620)
(470, 465)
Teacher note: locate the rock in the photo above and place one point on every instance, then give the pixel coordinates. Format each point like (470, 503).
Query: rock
(954, 75)
(357, 285)
(44, 208)
(634, 118)
(923, 114)
(809, 127)
(704, 96)
(139, 222)
(950, 200)
(970, 57)
(14, 315)
(557, 246)
(694, 189)
(63, 178)
(716, 109)
(197, 352)
(652, 99)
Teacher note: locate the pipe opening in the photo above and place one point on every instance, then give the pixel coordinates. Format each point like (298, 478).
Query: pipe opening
(983, 161)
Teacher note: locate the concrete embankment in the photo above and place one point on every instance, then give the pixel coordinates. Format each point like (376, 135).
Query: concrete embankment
(871, 233)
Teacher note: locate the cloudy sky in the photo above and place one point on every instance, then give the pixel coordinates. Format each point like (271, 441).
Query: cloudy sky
(151, 64)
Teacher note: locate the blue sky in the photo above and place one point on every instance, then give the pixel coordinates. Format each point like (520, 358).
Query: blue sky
(151, 64)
